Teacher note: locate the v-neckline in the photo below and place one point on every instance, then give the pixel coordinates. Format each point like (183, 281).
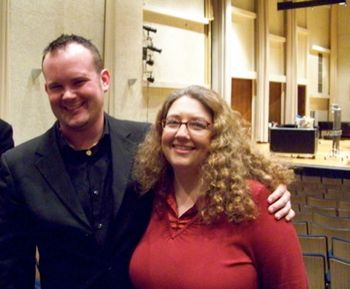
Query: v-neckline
(177, 225)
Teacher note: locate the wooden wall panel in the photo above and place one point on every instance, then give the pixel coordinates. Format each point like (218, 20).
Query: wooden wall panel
(275, 102)
(241, 97)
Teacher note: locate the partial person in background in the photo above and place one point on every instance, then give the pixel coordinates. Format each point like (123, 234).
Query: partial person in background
(210, 227)
(67, 191)
(6, 136)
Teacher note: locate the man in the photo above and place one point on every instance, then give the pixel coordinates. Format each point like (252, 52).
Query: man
(6, 139)
(66, 192)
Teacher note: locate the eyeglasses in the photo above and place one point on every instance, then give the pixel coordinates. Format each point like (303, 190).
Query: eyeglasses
(193, 125)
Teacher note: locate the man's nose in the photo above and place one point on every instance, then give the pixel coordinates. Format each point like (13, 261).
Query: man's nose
(68, 93)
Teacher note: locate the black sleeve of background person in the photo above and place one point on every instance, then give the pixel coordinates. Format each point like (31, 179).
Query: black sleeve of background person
(6, 137)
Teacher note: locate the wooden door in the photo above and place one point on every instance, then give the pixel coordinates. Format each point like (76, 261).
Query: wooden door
(241, 97)
(275, 99)
(301, 99)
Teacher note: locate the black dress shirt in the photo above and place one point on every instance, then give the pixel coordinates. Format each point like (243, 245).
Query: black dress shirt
(91, 174)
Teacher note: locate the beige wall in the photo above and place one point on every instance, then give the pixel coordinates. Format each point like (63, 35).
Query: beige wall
(115, 26)
(193, 8)
(318, 24)
(32, 24)
(123, 50)
(183, 39)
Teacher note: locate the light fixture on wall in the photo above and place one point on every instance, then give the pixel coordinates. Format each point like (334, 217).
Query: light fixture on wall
(148, 50)
(155, 49)
(149, 29)
(131, 81)
(150, 79)
(150, 61)
(35, 73)
(285, 5)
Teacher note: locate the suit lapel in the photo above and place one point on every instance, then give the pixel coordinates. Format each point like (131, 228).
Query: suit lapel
(51, 167)
(122, 158)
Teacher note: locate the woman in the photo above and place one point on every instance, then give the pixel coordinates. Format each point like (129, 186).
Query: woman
(210, 227)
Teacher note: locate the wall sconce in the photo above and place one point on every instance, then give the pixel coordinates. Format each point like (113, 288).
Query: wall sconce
(35, 73)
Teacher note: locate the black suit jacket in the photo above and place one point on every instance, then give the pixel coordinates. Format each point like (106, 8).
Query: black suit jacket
(6, 140)
(38, 207)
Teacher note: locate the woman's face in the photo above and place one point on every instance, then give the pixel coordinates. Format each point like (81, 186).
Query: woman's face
(186, 146)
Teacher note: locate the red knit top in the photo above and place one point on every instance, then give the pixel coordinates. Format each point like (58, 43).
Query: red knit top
(183, 253)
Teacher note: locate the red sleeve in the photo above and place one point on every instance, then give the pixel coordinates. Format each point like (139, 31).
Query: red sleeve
(275, 247)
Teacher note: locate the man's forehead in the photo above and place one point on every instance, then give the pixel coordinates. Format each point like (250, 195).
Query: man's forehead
(72, 47)
(74, 53)
(70, 51)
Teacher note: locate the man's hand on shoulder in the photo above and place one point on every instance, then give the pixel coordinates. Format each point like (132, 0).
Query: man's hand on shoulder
(280, 204)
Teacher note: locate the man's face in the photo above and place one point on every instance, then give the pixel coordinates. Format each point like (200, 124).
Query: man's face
(75, 89)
